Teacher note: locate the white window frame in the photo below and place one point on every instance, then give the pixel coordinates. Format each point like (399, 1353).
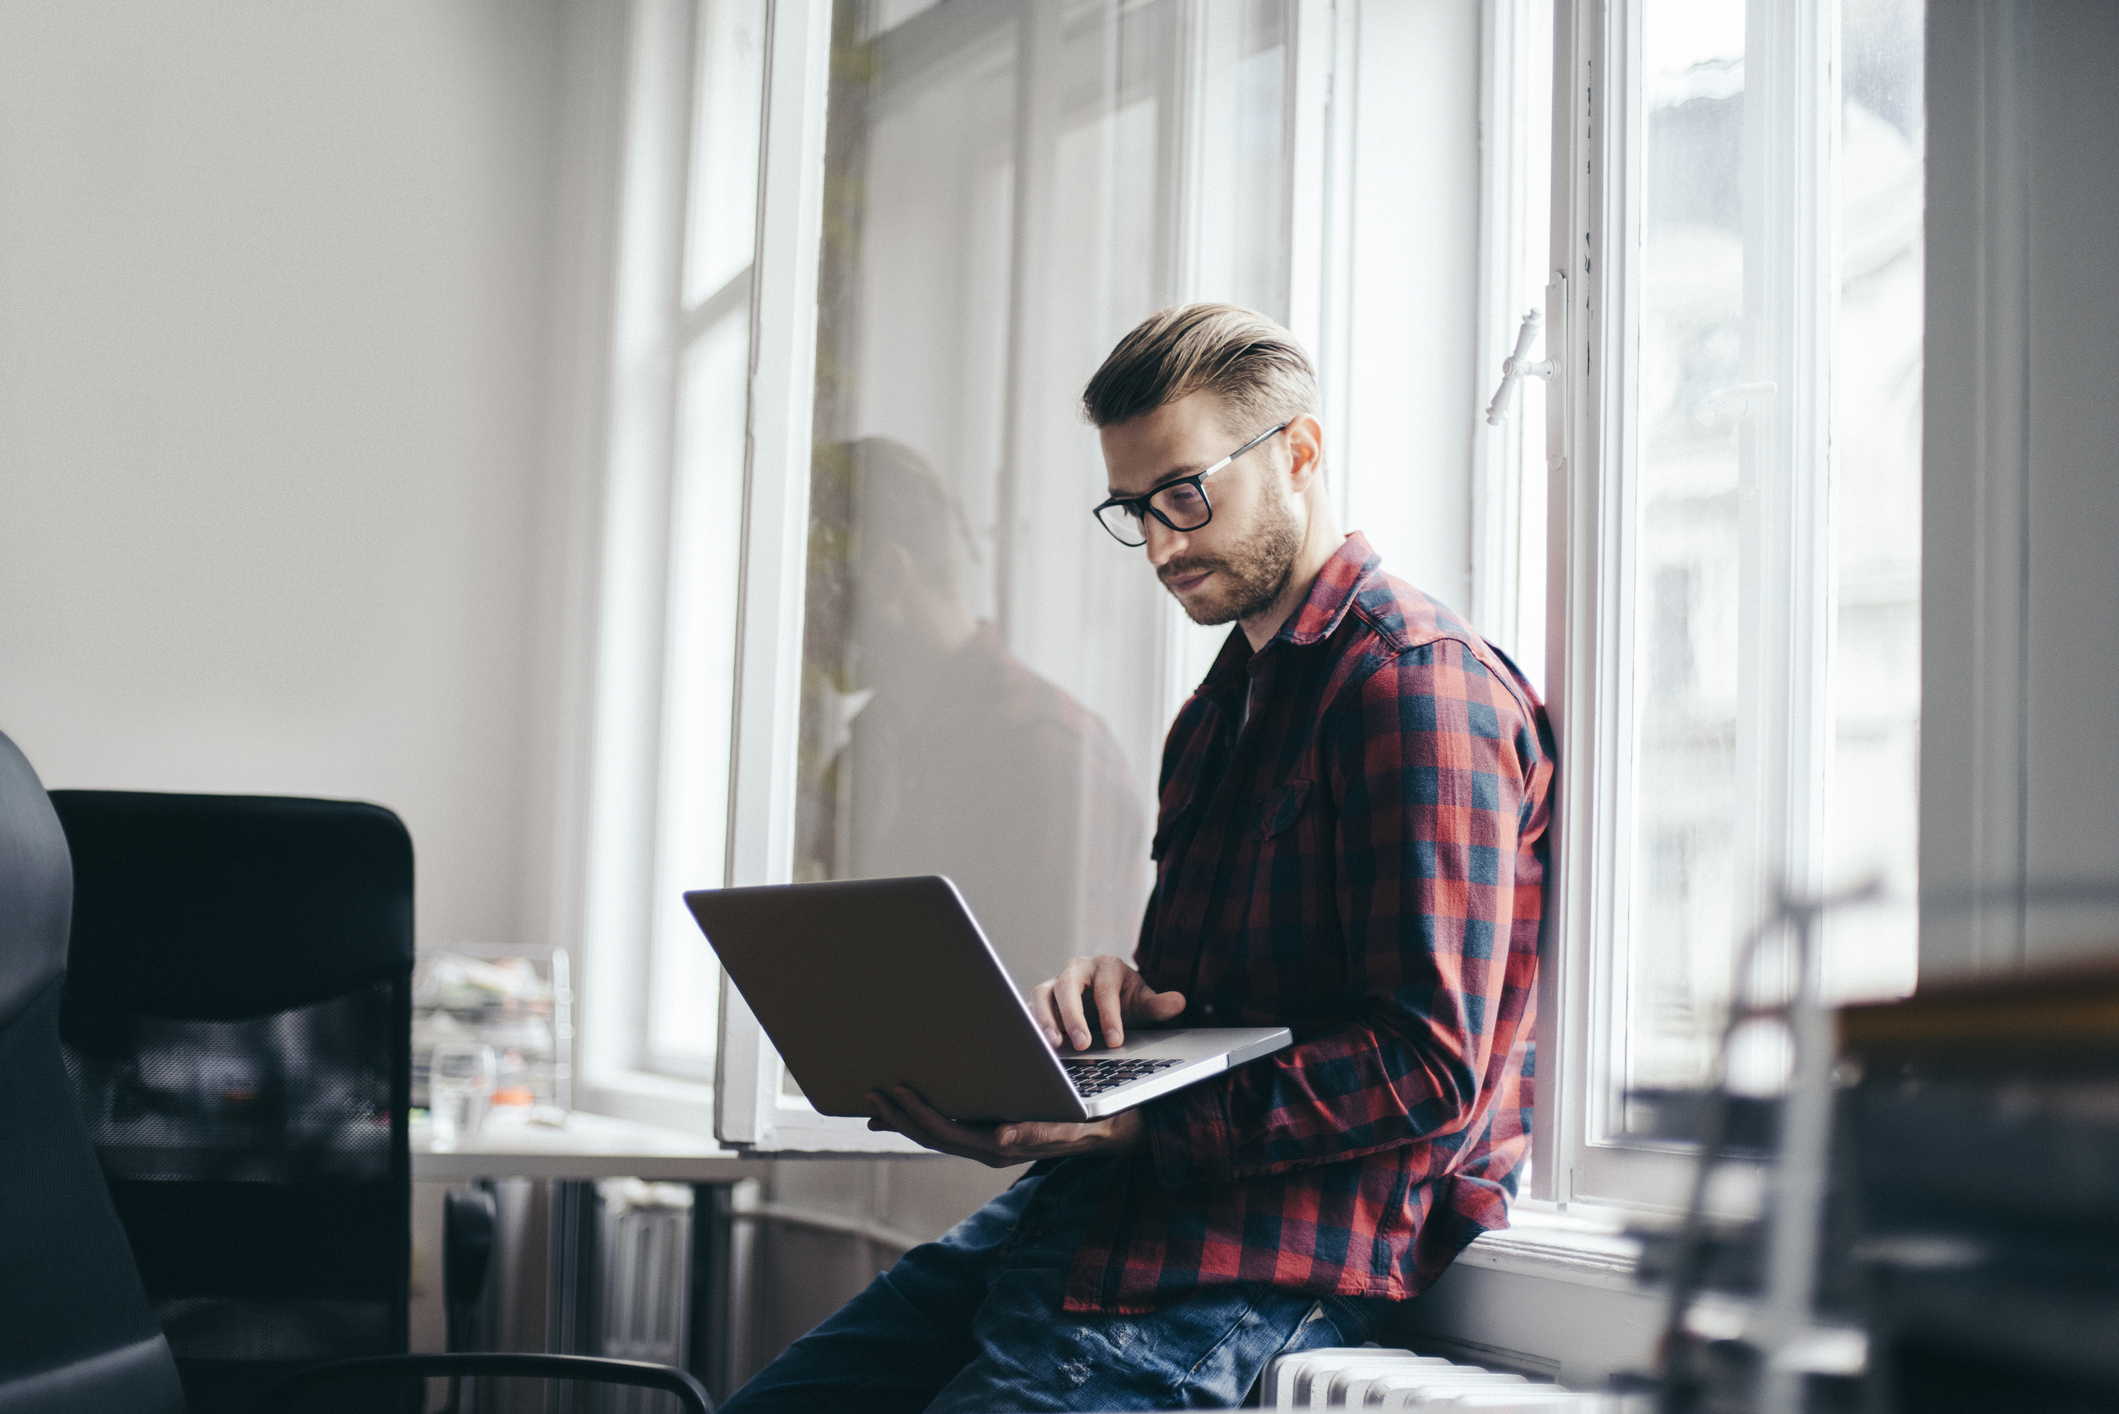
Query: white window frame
(1592, 444)
(1508, 570)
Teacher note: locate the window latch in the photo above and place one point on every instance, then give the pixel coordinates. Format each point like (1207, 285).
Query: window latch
(1517, 366)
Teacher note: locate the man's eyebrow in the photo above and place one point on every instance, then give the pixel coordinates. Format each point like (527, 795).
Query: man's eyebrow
(1166, 479)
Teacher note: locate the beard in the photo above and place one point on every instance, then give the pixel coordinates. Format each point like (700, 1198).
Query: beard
(1253, 571)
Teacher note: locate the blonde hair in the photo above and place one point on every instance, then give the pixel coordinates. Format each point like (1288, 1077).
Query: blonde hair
(1253, 363)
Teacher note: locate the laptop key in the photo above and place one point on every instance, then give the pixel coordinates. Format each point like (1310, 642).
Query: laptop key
(1094, 1076)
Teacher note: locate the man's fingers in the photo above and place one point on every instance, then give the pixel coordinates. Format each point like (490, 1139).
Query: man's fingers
(1042, 1009)
(1163, 1005)
(903, 1111)
(1022, 1136)
(1067, 995)
(1109, 1008)
(932, 1124)
(1115, 992)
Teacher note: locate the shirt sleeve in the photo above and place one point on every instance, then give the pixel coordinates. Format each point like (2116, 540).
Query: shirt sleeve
(1429, 768)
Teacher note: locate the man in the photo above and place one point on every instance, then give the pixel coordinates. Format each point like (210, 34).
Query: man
(1351, 843)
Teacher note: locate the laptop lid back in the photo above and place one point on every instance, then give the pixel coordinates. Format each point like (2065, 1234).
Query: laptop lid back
(868, 983)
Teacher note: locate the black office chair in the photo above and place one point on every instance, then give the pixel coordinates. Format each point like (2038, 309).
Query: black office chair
(236, 1022)
(75, 1329)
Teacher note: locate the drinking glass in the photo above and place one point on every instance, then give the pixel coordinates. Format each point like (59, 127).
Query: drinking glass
(460, 1080)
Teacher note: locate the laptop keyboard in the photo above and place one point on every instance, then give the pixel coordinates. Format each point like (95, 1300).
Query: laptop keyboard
(1093, 1077)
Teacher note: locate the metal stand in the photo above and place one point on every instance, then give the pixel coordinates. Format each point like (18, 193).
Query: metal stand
(1784, 1330)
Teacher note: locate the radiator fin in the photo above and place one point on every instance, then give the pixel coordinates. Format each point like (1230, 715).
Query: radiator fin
(1367, 1377)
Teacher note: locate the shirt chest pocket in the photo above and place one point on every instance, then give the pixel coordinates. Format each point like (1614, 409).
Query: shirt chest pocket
(1171, 821)
(1280, 809)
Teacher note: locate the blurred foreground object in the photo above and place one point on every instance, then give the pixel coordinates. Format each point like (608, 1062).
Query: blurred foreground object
(1983, 1139)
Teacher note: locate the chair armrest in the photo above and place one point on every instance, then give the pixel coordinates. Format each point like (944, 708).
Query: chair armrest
(690, 1393)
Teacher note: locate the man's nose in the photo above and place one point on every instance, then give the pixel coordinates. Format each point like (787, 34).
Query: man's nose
(1164, 544)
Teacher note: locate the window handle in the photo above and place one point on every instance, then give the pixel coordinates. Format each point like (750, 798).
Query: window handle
(1724, 403)
(1518, 366)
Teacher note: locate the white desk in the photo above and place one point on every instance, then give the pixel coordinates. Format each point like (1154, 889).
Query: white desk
(570, 1158)
(586, 1147)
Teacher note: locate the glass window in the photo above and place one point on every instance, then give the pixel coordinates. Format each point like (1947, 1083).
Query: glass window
(1690, 545)
(1772, 638)
(707, 328)
(986, 675)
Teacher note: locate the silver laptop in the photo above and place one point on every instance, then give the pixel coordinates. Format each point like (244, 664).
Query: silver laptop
(871, 983)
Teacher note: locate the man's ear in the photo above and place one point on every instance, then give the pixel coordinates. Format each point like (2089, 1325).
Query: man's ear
(1305, 452)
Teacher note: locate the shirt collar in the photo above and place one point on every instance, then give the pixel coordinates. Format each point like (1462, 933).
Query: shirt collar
(1332, 593)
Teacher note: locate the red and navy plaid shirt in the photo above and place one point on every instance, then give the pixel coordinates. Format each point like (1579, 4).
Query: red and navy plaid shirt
(1359, 857)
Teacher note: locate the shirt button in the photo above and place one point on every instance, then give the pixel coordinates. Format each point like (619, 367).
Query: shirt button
(1207, 1010)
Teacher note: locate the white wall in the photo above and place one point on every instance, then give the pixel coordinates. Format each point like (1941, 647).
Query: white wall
(273, 322)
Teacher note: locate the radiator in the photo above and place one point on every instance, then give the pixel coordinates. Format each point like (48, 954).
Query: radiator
(646, 1239)
(1365, 1377)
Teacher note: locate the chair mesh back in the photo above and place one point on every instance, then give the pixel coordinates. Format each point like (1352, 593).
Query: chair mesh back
(236, 1024)
(297, 1096)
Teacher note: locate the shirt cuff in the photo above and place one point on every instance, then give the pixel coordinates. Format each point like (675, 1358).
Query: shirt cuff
(1189, 1139)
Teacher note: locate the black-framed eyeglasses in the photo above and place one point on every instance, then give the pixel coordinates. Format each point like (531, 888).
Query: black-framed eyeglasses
(1181, 504)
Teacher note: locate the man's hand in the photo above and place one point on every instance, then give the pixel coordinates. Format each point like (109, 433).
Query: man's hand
(1003, 1145)
(1121, 997)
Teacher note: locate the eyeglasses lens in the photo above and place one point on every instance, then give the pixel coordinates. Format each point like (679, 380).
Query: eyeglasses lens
(1123, 524)
(1183, 505)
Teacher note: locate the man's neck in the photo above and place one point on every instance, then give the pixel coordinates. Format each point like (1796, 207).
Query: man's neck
(1319, 543)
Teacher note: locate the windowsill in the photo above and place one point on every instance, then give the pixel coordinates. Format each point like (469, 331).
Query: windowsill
(647, 1098)
(1544, 1242)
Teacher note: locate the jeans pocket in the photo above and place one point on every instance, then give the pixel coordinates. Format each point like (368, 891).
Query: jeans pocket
(1268, 1322)
(1307, 1335)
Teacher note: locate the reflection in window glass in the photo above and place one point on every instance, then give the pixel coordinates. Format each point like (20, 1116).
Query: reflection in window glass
(1708, 699)
(984, 694)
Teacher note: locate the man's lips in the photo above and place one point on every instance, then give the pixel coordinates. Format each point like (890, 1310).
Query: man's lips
(1185, 583)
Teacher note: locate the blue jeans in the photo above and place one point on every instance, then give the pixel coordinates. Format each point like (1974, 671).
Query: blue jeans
(973, 1324)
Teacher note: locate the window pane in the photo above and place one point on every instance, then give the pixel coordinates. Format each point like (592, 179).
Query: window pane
(699, 677)
(1244, 252)
(1691, 309)
(728, 98)
(1872, 798)
(1728, 741)
(984, 694)
(705, 527)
